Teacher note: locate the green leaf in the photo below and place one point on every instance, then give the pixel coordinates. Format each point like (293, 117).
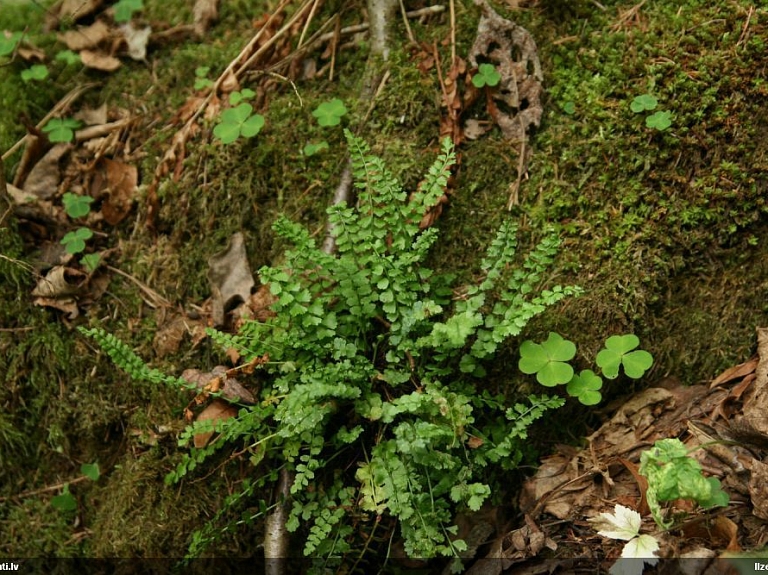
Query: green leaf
(65, 501)
(68, 57)
(238, 121)
(569, 108)
(91, 262)
(37, 72)
(76, 205)
(8, 44)
(643, 103)
(487, 75)
(660, 121)
(203, 83)
(585, 387)
(74, 241)
(91, 471)
(61, 129)
(618, 351)
(124, 9)
(311, 149)
(547, 360)
(238, 96)
(329, 113)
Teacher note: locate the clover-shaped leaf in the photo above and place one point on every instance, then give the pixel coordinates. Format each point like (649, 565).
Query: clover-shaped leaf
(487, 75)
(61, 129)
(74, 242)
(330, 113)
(124, 9)
(91, 471)
(201, 78)
(76, 205)
(618, 352)
(68, 57)
(8, 43)
(311, 149)
(36, 72)
(643, 103)
(585, 387)
(547, 360)
(238, 121)
(236, 97)
(660, 120)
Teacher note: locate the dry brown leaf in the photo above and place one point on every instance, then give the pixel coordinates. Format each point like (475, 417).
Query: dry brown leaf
(43, 180)
(59, 281)
(86, 37)
(230, 277)
(99, 61)
(67, 304)
(76, 9)
(31, 54)
(136, 40)
(118, 182)
(218, 410)
(218, 381)
(93, 116)
(756, 406)
(206, 12)
(512, 51)
(735, 372)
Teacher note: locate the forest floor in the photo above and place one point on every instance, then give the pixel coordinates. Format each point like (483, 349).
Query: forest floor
(644, 150)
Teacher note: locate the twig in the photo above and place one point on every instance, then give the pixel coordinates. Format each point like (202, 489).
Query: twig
(152, 294)
(62, 104)
(46, 489)
(746, 27)
(354, 29)
(342, 194)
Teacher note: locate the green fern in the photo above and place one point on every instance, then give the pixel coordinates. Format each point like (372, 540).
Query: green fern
(370, 396)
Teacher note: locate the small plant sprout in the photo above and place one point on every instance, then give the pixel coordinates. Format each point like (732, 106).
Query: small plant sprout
(37, 72)
(487, 75)
(238, 121)
(74, 242)
(659, 120)
(618, 352)
(124, 9)
(75, 205)
(624, 524)
(8, 43)
(672, 474)
(643, 103)
(311, 148)
(586, 387)
(201, 78)
(548, 360)
(61, 129)
(65, 501)
(90, 262)
(569, 107)
(238, 96)
(68, 57)
(329, 113)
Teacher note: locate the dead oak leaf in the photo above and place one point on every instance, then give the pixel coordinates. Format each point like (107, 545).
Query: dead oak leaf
(86, 37)
(118, 182)
(99, 61)
(217, 411)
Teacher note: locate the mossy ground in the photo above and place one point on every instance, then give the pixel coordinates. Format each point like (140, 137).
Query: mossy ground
(664, 230)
